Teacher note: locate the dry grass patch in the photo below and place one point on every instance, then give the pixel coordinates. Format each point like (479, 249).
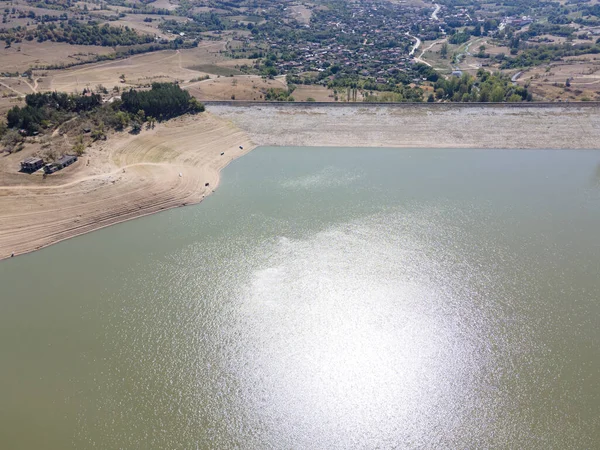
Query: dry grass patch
(243, 87)
(318, 93)
(550, 82)
(22, 56)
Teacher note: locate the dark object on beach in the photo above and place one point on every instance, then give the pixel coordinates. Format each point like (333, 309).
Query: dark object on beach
(61, 163)
(222, 153)
(31, 164)
(241, 148)
(206, 184)
(12, 255)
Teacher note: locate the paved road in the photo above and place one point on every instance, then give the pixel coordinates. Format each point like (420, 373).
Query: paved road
(434, 15)
(417, 44)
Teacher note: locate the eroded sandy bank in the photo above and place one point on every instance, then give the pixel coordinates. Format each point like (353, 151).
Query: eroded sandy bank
(121, 179)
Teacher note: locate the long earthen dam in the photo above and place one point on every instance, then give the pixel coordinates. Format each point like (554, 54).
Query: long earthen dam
(466, 125)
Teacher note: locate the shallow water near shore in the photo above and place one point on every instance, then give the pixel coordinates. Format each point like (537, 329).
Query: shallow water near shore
(322, 298)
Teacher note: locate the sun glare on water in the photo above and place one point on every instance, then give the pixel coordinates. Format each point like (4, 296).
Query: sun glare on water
(351, 337)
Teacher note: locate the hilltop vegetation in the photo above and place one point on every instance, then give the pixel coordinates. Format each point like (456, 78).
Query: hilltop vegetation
(43, 110)
(163, 101)
(46, 111)
(73, 32)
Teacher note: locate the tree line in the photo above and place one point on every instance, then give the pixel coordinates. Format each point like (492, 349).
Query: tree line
(485, 87)
(42, 109)
(542, 54)
(51, 109)
(73, 32)
(163, 101)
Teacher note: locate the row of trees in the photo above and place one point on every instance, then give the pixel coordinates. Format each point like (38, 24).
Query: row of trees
(280, 95)
(73, 32)
(541, 54)
(200, 23)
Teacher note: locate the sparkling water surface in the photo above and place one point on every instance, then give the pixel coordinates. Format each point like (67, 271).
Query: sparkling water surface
(322, 298)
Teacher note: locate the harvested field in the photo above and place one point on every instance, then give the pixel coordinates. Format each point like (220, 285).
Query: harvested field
(550, 82)
(236, 63)
(16, 86)
(139, 70)
(215, 69)
(9, 101)
(319, 93)
(171, 5)
(242, 87)
(13, 91)
(136, 22)
(300, 13)
(22, 56)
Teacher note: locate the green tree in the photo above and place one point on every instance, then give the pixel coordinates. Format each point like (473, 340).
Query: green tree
(444, 50)
(99, 133)
(12, 141)
(136, 127)
(79, 146)
(497, 94)
(121, 120)
(515, 98)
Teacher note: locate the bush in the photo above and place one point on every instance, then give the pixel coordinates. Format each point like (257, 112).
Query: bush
(43, 109)
(164, 100)
(12, 141)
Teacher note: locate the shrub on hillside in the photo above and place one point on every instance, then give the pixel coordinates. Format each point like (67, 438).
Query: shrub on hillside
(163, 101)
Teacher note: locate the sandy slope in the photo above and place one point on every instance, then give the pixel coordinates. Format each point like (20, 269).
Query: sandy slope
(127, 176)
(96, 191)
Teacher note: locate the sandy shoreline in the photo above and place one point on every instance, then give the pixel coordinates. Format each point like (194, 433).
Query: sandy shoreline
(127, 177)
(132, 176)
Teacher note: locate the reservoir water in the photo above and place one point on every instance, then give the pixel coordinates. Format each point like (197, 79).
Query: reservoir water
(322, 298)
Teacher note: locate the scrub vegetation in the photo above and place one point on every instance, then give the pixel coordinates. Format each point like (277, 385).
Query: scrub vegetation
(48, 111)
